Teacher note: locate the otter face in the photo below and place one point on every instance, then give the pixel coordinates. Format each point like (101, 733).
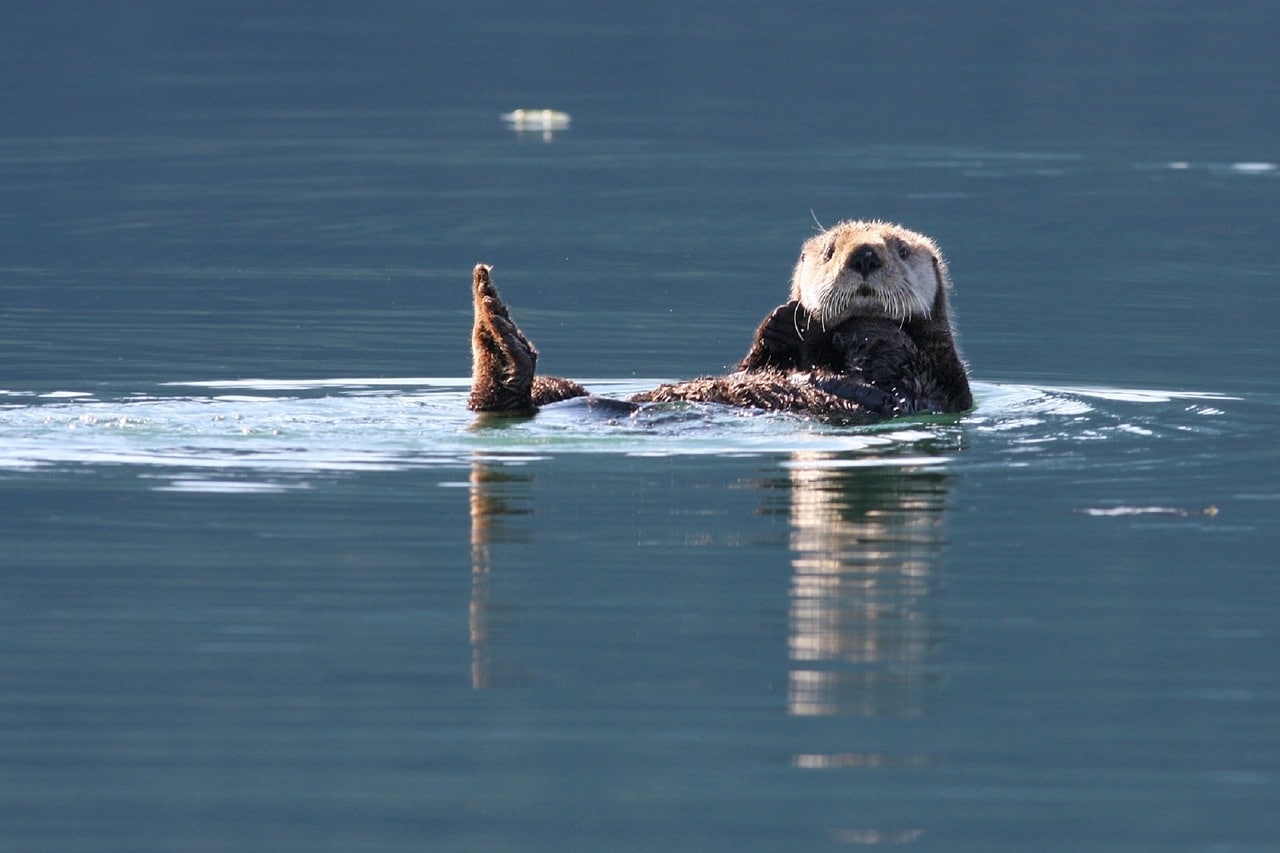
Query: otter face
(868, 269)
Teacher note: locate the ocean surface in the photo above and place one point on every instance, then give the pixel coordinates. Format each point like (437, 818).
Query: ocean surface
(266, 583)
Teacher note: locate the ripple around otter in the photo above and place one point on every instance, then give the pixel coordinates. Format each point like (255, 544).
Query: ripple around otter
(273, 434)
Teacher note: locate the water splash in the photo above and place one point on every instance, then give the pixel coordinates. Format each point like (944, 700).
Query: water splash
(268, 434)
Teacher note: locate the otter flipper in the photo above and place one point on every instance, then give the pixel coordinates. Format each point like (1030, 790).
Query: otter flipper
(858, 395)
(503, 360)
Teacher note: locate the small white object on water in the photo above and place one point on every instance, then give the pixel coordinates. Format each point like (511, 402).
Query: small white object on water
(1179, 512)
(1253, 168)
(544, 120)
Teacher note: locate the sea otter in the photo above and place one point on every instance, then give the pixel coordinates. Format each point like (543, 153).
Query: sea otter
(866, 335)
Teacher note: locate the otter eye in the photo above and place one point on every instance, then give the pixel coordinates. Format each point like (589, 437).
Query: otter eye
(828, 252)
(903, 251)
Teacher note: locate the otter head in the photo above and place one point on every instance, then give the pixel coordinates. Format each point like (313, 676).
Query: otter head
(870, 269)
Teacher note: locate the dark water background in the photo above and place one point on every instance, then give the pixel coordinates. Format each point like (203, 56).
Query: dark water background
(265, 586)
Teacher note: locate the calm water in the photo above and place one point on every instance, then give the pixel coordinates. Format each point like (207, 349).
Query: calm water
(267, 584)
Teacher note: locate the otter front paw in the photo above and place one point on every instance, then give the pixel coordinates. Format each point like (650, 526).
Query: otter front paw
(788, 339)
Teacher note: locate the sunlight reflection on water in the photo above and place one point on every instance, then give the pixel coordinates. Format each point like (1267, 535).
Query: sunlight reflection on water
(249, 434)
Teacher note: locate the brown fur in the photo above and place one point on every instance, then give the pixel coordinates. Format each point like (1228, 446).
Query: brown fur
(883, 356)
(503, 360)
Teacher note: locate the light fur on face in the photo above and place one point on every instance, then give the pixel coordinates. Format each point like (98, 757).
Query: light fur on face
(868, 269)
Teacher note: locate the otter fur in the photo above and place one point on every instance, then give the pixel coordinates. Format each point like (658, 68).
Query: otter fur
(866, 335)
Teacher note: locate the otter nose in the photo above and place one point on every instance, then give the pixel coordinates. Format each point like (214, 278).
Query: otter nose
(865, 260)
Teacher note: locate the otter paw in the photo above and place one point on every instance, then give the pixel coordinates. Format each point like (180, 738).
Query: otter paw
(789, 339)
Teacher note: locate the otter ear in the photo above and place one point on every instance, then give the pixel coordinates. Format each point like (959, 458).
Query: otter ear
(940, 269)
(943, 285)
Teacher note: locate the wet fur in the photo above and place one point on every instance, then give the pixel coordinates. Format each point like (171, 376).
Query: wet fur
(866, 336)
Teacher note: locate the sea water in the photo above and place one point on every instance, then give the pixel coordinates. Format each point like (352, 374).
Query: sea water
(267, 584)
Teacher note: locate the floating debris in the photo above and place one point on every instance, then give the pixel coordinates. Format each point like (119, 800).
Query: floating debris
(1243, 168)
(545, 121)
(1178, 512)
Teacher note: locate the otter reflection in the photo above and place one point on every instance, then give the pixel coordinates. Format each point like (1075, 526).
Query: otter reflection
(864, 542)
(489, 505)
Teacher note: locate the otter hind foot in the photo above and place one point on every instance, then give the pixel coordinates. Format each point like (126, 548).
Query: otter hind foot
(503, 360)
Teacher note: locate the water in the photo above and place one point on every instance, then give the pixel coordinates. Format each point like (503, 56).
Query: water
(268, 585)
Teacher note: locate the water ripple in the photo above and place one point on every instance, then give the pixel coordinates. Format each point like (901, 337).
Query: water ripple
(267, 434)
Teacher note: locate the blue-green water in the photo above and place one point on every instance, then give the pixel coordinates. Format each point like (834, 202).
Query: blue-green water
(267, 584)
